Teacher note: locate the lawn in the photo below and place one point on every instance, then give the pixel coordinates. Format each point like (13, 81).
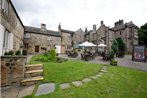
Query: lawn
(119, 82)
(67, 71)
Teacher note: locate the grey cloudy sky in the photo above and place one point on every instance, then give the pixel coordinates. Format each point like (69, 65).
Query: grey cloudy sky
(75, 14)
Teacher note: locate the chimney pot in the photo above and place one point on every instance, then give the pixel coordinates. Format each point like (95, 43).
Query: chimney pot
(43, 27)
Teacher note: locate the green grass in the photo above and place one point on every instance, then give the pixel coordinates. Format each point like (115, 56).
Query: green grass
(68, 71)
(119, 82)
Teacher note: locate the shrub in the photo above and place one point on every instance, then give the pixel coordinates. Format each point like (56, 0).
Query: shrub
(114, 46)
(25, 52)
(53, 55)
(9, 53)
(18, 52)
(121, 44)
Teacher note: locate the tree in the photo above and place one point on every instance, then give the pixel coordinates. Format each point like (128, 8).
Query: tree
(121, 44)
(114, 46)
(142, 34)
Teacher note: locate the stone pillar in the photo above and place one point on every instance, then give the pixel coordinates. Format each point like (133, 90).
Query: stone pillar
(12, 70)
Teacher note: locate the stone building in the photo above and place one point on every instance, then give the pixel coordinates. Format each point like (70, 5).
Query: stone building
(78, 37)
(104, 34)
(66, 39)
(38, 40)
(127, 31)
(91, 35)
(11, 27)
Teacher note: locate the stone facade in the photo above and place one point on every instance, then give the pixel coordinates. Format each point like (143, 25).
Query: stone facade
(11, 27)
(12, 70)
(67, 40)
(79, 36)
(38, 40)
(127, 31)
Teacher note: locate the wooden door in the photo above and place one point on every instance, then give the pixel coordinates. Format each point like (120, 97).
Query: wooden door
(36, 48)
(63, 49)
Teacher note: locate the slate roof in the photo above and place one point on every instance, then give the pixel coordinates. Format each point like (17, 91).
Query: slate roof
(35, 30)
(86, 33)
(123, 26)
(67, 31)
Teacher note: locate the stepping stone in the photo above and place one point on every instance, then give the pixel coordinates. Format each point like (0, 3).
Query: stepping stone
(98, 75)
(86, 80)
(93, 77)
(24, 91)
(77, 83)
(64, 86)
(45, 89)
(104, 71)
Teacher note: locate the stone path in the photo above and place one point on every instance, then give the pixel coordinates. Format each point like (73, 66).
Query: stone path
(47, 88)
(27, 90)
(64, 86)
(16, 91)
(50, 87)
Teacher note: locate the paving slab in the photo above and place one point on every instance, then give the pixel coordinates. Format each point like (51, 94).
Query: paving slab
(77, 83)
(93, 77)
(104, 70)
(24, 91)
(9, 92)
(98, 75)
(86, 80)
(45, 89)
(64, 86)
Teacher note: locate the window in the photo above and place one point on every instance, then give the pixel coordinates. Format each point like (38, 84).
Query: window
(8, 41)
(49, 38)
(5, 6)
(27, 35)
(26, 46)
(120, 32)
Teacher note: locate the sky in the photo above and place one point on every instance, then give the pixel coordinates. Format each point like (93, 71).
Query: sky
(75, 14)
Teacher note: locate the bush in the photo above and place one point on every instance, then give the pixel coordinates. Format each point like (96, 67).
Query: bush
(114, 46)
(53, 55)
(25, 52)
(9, 53)
(18, 52)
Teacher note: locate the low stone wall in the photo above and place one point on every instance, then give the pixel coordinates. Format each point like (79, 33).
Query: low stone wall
(12, 70)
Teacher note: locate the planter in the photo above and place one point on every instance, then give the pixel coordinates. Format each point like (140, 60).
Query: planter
(113, 62)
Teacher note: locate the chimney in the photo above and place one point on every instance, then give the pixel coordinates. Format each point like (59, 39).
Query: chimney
(85, 29)
(43, 27)
(59, 26)
(102, 22)
(94, 27)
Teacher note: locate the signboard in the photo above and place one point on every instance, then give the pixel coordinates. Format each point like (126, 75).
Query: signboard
(139, 53)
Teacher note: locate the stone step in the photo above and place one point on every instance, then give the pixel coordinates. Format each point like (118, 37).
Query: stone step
(34, 71)
(38, 78)
(34, 67)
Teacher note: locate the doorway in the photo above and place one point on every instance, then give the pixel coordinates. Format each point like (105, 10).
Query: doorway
(36, 48)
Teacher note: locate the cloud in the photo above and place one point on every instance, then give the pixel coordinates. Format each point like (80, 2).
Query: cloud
(75, 14)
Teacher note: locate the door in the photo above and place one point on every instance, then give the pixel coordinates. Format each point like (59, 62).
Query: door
(63, 49)
(36, 48)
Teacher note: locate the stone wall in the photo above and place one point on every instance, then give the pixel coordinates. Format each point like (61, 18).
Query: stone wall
(12, 23)
(12, 70)
(45, 42)
(79, 36)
